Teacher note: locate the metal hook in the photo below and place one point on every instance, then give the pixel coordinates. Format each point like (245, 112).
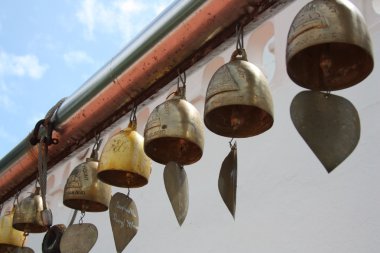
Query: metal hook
(16, 197)
(232, 146)
(239, 35)
(81, 217)
(181, 78)
(132, 117)
(129, 190)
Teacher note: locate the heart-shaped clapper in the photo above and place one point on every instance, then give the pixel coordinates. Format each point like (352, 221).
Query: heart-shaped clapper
(177, 188)
(329, 124)
(124, 220)
(79, 238)
(228, 180)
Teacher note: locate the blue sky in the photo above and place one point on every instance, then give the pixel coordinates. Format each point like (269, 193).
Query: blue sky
(50, 48)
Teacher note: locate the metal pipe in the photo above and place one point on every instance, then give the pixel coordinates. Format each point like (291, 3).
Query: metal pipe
(178, 38)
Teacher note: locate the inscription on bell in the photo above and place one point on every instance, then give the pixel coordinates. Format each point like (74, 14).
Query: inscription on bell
(221, 81)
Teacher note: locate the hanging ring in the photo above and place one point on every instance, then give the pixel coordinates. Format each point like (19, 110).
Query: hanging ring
(181, 78)
(81, 217)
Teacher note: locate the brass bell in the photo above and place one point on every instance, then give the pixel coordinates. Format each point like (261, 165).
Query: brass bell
(174, 131)
(28, 214)
(238, 101)
(10, 237)
(328, 46)
(83, 190)
(123, 162)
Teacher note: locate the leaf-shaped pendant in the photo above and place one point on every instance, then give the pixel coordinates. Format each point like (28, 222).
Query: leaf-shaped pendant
(177, 188)
(329, 124)
(124, 220)
(79, 238)
(228, 180)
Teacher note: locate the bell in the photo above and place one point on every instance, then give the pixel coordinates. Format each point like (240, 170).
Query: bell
(328, 46)
(84, 191)
(174, 132)
(28, 214)
(123, 162)
(10, 237)
(238, 101)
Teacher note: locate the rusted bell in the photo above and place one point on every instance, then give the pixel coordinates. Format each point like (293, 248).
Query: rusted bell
(123, 162)
(174, 132)
(328, 46)
(84, 191)
(10, 237)
(28, 214)
(238, 101)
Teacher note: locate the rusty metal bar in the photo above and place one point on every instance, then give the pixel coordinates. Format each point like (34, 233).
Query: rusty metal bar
(179, 38)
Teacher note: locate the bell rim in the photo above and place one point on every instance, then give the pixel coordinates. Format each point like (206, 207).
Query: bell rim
(94, 206)
(108, 176)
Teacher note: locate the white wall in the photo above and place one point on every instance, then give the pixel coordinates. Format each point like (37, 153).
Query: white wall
(286, 202)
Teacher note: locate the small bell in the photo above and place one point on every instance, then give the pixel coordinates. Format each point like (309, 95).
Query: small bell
(174, 131)
(328, 47)
(83, 190)
(238, 101)
(10, 237)
(28, 214)
(123, 162)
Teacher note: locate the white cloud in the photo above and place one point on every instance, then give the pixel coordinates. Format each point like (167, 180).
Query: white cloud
(125, 17)
(24, 65)
(77, 57)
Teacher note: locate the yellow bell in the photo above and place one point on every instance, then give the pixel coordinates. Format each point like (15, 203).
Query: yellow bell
(10, 237)
(328, 46)
(84, 191)
(174, 132)
(123, 162)
(28, 214)
(238, 101)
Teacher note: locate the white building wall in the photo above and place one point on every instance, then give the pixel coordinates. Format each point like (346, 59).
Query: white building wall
(286, 202)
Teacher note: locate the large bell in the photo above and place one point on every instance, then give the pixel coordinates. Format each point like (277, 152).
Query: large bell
(238, 101)
(328, 46)
(10, 237)
(123, 162)
(28, 214)
(174, 132)
(84, 191)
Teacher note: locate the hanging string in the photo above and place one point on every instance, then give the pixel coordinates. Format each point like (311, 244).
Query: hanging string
(23, 241)
(73, 218)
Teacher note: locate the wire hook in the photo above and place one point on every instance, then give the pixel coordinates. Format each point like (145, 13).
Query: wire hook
(239, 35)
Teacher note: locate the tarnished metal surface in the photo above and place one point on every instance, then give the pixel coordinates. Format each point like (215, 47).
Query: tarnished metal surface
(329, 124)
(147, 64)
(123, 162)
(124, 220)
(27, 216)
(329, 47)
(79, 238)
(174, 132)
(238, 100)
(10, 249)
(84, 191)
(177, 188)
(227, 181)
(8, 235)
